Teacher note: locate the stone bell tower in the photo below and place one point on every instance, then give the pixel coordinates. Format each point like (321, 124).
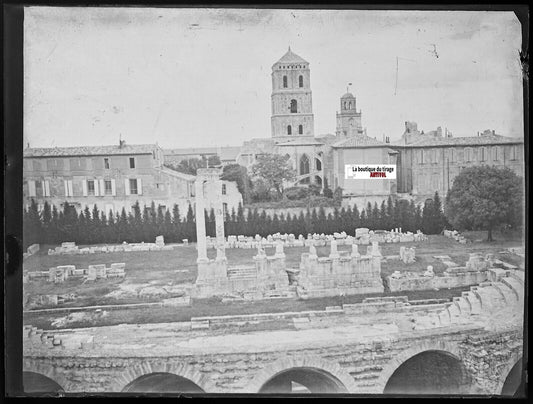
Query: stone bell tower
(348, 119)
(292, 108)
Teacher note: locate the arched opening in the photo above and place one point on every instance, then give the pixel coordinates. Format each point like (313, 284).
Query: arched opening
(318, 164)
(162, 383)
(304, 165)
(37, 383)
(513, 380)
(284, 81)
(294, 106)
(300, 129)
(350, 105)
(303, 380)
(301, 81)
(429, 372)
(289, 130)
(318, 181)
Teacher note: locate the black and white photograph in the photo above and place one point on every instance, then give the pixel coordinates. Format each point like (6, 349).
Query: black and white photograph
(273, 201)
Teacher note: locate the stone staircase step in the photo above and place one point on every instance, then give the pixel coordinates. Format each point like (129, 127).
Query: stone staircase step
(515, 286)
(464, 306)
(475, 304)
(508, 296)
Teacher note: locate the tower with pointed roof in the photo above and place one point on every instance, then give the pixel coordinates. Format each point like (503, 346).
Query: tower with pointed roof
(292, 107)
(348, 119)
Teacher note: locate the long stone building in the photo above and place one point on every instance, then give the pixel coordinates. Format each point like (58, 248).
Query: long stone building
(111, 177)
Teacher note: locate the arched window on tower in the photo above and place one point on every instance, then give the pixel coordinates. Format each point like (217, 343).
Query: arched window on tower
(294, 106)
(344, 104)
(284, 81)
(289, 130)
(304, 165)
(301, 81)
(300, 129)
(350, 105)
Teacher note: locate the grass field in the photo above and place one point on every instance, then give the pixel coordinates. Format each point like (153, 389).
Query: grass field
(178, 267)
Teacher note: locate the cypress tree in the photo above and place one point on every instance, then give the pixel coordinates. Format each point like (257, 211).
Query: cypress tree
(190, 225)
(301, 225)
(307, 223)
(168, 234)
(396, 214)
(160, 221)
(390, 213)
(363, 220)
(314, 222)
(322, 222)
(54, 225)
(248, 226)
(177, 230)
(369, 218)
(356, 218)
(262, 224)
(375, 216)
(383, 219)
(96, 225)
(275, 224)
(418, 218)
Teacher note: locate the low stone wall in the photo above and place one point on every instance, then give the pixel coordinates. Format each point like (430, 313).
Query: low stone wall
(61, 273)
(70, 248)
(32, 249)
(416, 281)
(363, 236)
(454, 234)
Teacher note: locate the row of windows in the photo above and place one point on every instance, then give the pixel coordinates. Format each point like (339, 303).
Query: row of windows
(75, 163)
(300, 130)
(300, 81)
(93, 187)
(433, 155)
(292, 67)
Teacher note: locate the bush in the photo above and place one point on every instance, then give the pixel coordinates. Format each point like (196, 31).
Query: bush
(296, 193)
(328, 193)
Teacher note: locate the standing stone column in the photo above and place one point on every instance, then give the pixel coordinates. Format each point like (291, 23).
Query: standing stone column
(200, 221)
(219, 222)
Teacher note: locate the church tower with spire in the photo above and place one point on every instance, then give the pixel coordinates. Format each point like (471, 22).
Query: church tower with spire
(292, 108)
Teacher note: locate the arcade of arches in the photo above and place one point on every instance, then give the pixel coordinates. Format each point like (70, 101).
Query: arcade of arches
(429, 372)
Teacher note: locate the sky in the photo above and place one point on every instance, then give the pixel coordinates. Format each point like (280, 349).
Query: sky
(202, 77)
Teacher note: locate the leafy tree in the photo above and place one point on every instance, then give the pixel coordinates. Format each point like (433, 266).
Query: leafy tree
(191, 165)
(239, 174)
(274, 169)
(337, 195)
(484, 197)
(260, 191)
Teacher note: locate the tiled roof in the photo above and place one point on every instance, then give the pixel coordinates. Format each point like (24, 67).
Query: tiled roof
(177, 174)
(261, 145)
(190, 151)
(348, 95)
(291, 57)
(359, 141)
(90, 150)
(462, 141)
(229, 153)
(301, 143)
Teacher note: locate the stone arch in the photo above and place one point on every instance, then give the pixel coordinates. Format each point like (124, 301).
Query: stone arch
(147, 367)
(504, 372)
(427, 346)
(47, 371)
(307, 361)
